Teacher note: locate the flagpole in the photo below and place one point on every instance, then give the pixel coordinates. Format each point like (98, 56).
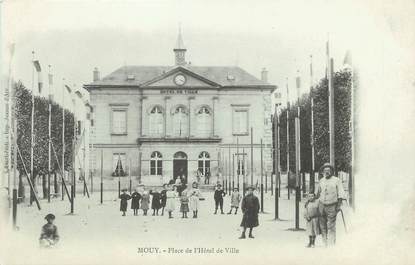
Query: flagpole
(74, 146)
(13, 126)
(312, 177)
(238, 171)
(278, 166)
(15, 193)
(49, 133)
(244, 171)
(11, 100)
(349, 64)
(63, 135)
(353, 148)
(129, 174)
(229, 169)
(252, 156)
(331, 104)
(118, 173)
(288, 140)
(32, 125)
(298, 81)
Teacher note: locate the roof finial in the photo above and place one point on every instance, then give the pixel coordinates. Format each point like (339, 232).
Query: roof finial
(180, 43)
(179, 49)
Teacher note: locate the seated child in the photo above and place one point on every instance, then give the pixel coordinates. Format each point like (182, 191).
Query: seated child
(49, 236)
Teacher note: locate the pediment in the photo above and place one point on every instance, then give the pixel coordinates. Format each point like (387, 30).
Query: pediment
(181, 77)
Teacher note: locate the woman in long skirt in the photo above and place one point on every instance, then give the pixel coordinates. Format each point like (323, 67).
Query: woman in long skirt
(171, 196)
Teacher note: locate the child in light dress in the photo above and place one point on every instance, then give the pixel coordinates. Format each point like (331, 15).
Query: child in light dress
(311, 215)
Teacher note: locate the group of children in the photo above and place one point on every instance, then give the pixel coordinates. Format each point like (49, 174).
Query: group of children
(142, 201)
(164, 200)
(189, 200)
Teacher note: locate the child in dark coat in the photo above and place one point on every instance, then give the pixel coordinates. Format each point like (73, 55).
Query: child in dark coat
(184, 206)
(124, 201)
(219, 194)
(49, 236)
(135, 201)
(155, 202)
(250, 209)
(163, 199)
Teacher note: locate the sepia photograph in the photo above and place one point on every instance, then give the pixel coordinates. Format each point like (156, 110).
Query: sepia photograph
(207, 132)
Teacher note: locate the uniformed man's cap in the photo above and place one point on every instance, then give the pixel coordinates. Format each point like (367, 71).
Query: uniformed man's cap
(124, 189)
(250, 188)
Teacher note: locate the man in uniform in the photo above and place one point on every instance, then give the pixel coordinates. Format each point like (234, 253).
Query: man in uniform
(330, 193)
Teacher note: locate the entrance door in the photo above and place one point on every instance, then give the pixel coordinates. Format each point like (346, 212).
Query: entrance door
(180, 165)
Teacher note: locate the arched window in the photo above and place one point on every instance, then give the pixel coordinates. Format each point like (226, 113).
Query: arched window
(180, 155)
(156, 121)
(204, 163)
(180, 122)
(203, 122)
(156, 164)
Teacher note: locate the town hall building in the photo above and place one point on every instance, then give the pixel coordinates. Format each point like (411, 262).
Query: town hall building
(161, 122)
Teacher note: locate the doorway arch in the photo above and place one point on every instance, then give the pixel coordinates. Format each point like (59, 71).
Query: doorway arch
(180, 166)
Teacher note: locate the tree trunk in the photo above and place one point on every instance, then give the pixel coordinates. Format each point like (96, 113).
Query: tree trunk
(44, 186)
(55, 183)
(32, 196)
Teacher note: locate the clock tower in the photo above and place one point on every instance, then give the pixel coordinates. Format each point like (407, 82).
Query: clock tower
(180, 50)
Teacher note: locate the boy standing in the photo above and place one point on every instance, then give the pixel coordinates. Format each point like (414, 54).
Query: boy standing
(219, 194)
(124, 201)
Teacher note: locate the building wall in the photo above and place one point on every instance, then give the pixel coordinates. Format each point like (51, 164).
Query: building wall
(221, 102)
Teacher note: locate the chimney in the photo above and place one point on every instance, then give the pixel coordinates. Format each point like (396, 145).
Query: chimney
(96, 74)
(264, 75)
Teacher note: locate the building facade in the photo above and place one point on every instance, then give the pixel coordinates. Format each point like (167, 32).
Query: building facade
(161, 122)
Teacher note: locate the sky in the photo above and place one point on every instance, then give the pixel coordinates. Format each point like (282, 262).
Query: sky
(76, 36)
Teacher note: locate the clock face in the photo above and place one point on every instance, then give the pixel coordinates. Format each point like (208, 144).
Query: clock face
(179, 79)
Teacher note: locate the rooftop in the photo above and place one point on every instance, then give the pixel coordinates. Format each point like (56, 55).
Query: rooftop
(138, 75)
